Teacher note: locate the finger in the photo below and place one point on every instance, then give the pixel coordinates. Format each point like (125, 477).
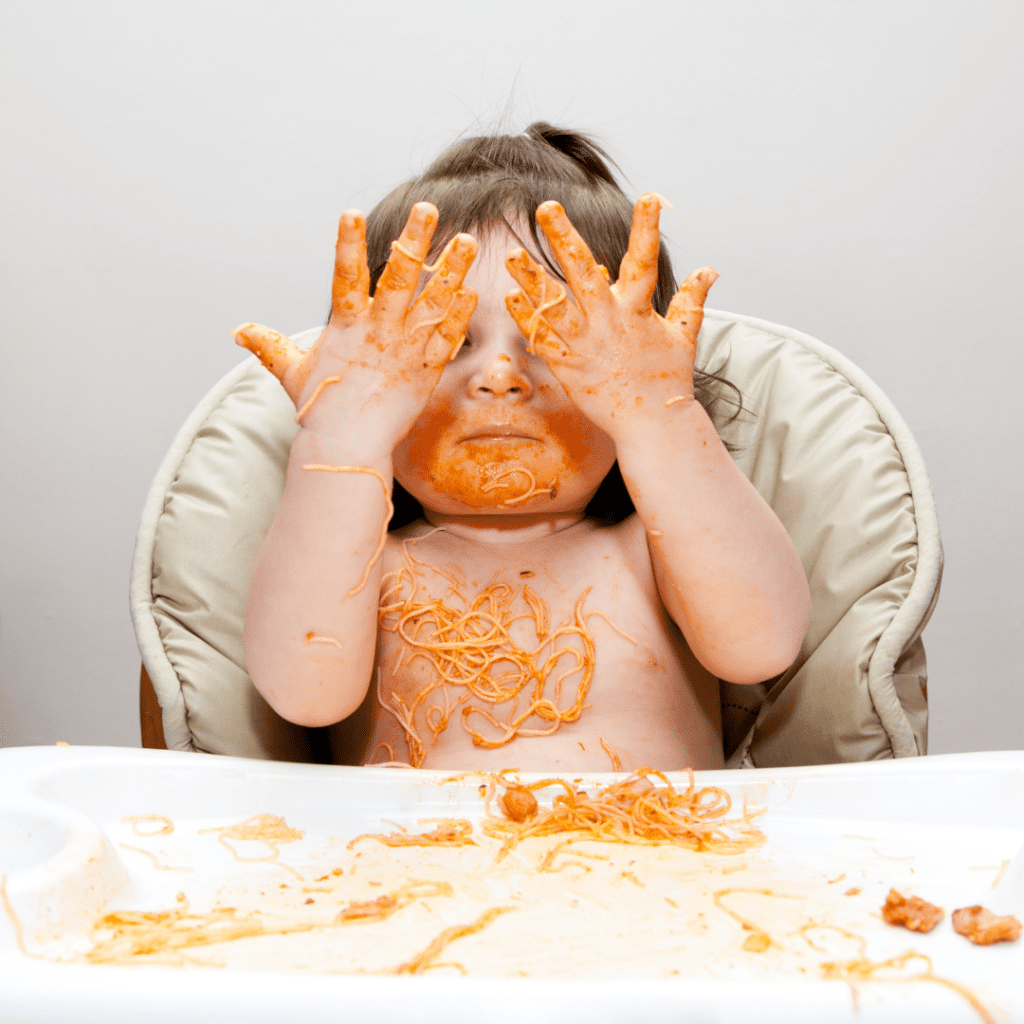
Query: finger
(450, 333)
(397, 284)
(581, 269)
(350, 291)
(274, 350)
(687, 306)
(638, 272)
(547, 295)
(430, 309)
(540, 338)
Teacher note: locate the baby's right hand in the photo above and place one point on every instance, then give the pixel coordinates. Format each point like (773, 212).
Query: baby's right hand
(377, 361)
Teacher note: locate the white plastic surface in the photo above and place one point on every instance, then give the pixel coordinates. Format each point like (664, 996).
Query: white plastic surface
(949, 829)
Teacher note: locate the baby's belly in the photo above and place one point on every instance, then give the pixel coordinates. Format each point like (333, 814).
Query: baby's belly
(643, 705)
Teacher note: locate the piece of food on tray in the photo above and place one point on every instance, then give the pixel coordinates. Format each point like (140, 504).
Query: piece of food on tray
(911, 912)
(983, 927)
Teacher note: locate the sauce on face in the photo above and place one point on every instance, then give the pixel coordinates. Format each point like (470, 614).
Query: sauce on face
(499, 432)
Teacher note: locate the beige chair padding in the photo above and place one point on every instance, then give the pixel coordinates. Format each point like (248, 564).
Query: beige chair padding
(821, 443)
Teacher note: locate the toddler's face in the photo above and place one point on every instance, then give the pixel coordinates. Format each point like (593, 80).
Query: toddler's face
(499, 435)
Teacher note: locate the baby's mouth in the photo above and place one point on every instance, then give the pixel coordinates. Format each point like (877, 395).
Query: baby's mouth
(498, 432)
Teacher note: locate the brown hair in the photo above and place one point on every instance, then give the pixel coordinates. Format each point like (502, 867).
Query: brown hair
(502, 179)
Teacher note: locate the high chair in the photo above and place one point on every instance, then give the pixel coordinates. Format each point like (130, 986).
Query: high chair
(819, 441)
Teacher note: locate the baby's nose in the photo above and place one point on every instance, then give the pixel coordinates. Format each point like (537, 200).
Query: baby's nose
(501, 377)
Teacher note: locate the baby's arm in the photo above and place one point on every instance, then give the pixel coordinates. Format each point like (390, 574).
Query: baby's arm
(311, 620)
(727, 571)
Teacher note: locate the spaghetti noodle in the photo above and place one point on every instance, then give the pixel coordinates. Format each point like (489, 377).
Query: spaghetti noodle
(312, 638)
(326, 382)
(616, 763)
(317, 467)
(426, 960)
(530, 491)
(261, 828)
(535, 319)
(166, 826)
(635, 810)
(860, 970)
(449, 832)
(759, 940)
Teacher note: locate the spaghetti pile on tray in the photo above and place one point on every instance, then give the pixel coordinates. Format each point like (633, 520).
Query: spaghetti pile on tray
(634, 810)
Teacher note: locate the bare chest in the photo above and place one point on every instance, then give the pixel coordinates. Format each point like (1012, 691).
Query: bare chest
(550, 653)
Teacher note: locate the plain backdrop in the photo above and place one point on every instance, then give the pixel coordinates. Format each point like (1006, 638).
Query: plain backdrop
(853, 170)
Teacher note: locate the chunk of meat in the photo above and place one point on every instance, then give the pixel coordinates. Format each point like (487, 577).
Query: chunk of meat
(911, 912)
(518, 803)
(983, 928)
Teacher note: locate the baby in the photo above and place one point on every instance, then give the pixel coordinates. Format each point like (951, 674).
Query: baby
(506, 627)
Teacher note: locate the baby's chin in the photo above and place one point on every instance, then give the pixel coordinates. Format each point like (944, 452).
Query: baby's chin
(489, 476)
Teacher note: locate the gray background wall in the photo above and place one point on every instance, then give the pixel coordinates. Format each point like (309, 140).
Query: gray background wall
(169, 171)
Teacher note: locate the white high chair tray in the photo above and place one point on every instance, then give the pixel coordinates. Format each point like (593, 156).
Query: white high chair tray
(609, 932)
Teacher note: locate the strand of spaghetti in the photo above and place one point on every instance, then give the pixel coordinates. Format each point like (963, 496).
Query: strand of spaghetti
(531, 490)
(549, 857)
(423, 961)
(678, 398)
(320, 468)
(261, 828)
(759, 940)
(405, 252)
(413, 560)
(152, 857)
(449, 832)
(856, 971)
(540, 612)
(616, 763)
(511, 729)
(426, 266)
(621, 632)
(326, 382)
(19, 937)
(413, 742)
(661, 199)
(390, 750)
(545, 304)
(312, 638)
(165, 829)
(1002, 871)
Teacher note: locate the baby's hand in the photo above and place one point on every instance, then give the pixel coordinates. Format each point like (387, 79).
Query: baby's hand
(615, 356)
(377, 361)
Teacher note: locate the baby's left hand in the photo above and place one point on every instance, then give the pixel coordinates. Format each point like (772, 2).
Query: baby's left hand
(617, 359)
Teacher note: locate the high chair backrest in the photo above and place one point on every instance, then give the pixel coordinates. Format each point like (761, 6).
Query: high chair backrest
(819, 441)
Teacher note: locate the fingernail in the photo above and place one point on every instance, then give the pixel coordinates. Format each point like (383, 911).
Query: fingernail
(425, 213)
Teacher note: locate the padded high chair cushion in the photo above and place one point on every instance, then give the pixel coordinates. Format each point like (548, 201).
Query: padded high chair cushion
(820, 442)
